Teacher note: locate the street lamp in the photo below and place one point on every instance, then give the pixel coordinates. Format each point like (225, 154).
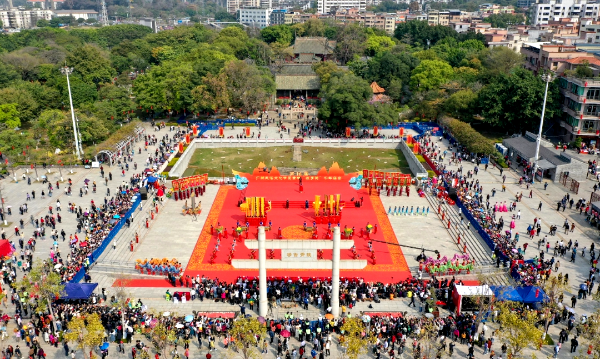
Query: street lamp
(547, 78)
(67, 71)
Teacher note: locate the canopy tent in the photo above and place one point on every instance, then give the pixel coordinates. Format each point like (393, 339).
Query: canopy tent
(532, 294)
(463, 292)
(75, 291)
(502, 292)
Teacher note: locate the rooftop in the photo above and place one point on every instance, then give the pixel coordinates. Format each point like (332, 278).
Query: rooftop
(526, 148)
(313, 45)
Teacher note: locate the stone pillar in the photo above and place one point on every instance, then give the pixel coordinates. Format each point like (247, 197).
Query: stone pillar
(335, 272)
(263, 304)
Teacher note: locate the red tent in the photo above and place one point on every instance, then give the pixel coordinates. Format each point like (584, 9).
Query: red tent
(5, 248)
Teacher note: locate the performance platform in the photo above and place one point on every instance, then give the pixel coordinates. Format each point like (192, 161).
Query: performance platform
(357, 261)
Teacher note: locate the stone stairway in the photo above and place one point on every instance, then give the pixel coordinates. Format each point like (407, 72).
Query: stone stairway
(476, 247)
(117, 260)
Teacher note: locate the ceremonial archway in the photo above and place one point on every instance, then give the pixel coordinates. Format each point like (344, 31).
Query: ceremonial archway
(105, 156)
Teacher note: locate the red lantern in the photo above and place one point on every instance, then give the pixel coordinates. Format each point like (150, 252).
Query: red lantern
(221, 131)
(401, 131)
(375, 131)
(348, 132)
(247, 131)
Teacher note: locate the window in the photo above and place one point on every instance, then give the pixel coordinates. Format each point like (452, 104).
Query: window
(588, 126)
(593, 94)
(591, 110)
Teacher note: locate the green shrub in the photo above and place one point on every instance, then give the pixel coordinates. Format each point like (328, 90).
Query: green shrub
(172, 162)
(411, 145)
(431, 173)
(278, 102)
(242, 125)
(421, 159)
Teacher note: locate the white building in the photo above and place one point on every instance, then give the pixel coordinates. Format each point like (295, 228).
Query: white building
(554, 10)
(255, 17)
(78, 14)
(23, 19)
(326, 6)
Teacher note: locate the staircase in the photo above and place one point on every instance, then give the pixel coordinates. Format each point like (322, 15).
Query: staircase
(115, 260)
(476, 247)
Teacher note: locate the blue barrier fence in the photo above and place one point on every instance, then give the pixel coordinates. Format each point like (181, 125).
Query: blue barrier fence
(111, 235)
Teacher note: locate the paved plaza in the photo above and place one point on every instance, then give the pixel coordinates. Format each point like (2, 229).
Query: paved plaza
(172, 235)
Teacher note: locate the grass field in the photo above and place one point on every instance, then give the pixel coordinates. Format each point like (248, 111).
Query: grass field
(210, 160)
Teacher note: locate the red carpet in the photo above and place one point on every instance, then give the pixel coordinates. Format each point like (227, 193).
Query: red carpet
(390, 263)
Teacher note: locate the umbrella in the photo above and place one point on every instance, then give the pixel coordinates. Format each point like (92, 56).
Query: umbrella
(261, 320)
(112, 221)
(329, 316)
(189, 318)
(152, 179)
(83, 244)
(116, 216)
(123, 211)
(160, 192)
(104, 346)
(366, 318)
(468, 197)
(57, 266)
(429, 315)
(285, 333)
(179, 326)
(166, 314)
(43, 176)
(86, 181)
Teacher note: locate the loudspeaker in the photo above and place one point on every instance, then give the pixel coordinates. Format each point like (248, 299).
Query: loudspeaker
(452, 194)
(144, 193)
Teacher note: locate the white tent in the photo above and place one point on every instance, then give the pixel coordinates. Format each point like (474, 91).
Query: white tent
(462, 291)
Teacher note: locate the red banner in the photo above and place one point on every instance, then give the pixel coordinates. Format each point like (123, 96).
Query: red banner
(375, 131)
(221, 131)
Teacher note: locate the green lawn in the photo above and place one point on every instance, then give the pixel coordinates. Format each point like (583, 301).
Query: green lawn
(210, 160)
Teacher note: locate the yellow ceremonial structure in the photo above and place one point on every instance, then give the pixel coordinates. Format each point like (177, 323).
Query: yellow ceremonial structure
(330, 206)
(255, 207)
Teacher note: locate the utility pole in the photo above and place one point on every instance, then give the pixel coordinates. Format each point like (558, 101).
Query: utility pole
(2, 200)
(67, 71)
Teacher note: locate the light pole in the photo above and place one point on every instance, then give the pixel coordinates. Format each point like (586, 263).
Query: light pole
(67, 71)
(547, 78)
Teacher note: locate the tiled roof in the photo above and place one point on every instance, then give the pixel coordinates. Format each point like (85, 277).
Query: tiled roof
(313, 45)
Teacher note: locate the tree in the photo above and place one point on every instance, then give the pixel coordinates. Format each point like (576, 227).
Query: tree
(248, 88)
(514, 101)
(584, 70)
(9, 116)
(389, 65)
(501, 60)
(430, 74)
(43, 283)
(421, 34)
(86, 333)
(91, 64)
(162, 336)
(47, 125)
(350, 41)
(246, 333)
(460, 103)
(554, 288)
(355, 341)
(376, 44)
(7, 74)
(211, 94)
(589, 334)
(324, 69)
(282, 34)
(518, 327)
(27, 107)
(24, 63)
(346, 103)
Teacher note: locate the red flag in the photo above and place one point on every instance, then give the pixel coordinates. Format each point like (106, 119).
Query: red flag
(23, 152)
(27, 146)
(32, 166)
(6, 161)
(59, 161)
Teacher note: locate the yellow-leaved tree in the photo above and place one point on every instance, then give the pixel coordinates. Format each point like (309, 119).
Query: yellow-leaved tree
(246, 335)
(589, 337)
(162, 337)
(86, 333)
(43, 283)
(355, 340)
(517, 327)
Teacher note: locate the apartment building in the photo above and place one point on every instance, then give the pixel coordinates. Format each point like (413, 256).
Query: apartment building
(328, 6)
(385, 22)
(260, 18)
(436, 17)
(550, 57)
(554, 10)
(581, 107)
(278, 16)
(23, 19)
